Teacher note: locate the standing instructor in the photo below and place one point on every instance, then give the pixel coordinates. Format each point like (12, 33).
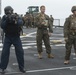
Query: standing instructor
(44, 30)
(11, 26)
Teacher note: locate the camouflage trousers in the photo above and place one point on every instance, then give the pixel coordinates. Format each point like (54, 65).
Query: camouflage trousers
(28, 24)
(42, 35)
(71, 42)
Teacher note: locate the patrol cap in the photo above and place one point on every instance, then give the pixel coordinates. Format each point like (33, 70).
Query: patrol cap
(73, 8)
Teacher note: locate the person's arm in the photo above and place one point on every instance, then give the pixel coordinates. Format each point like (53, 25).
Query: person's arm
(3, 22)
(50, 26)
(20, 21)
(66, 27)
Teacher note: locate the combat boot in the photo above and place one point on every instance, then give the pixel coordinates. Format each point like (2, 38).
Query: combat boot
(22, 70)
(50, 56)
(40, 55)
(66, 62)
(2, 71)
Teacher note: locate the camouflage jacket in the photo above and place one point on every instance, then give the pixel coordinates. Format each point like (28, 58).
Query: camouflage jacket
(39, 21)
(69, 25)
(28, 17)
(51, 19)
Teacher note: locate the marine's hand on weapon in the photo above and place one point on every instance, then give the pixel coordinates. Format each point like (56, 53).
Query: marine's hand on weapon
(8, 18)
(66, 39)
(14, 18)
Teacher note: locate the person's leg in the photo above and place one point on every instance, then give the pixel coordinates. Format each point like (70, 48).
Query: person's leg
(5, 53)
(19, 52)
(47, 45)
(68, 50)
(74, 44)
(39, 42)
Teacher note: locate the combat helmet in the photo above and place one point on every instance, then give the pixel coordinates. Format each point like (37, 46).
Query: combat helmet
(8, 10)
(73, 8)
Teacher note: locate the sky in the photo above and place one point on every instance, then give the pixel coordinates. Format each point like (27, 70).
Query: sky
(58, 8)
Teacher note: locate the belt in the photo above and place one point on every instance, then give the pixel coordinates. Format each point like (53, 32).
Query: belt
(73, 30)
(43, 28)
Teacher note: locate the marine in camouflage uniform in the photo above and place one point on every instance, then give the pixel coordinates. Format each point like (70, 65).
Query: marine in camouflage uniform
(70, 34)
(51, 20)
(43, 23)
(28, 20)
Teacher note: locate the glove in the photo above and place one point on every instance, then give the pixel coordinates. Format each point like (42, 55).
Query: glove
(8, 18)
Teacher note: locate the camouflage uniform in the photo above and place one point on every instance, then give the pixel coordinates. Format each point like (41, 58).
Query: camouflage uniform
(42, 32)
(51, 20)
(70, 33)
(28, 20)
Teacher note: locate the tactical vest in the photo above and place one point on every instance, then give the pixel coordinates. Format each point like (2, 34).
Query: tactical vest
(12, 29)
(73, 23)
(43, 18)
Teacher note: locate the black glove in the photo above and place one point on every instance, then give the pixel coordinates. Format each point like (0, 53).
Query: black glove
(8, 18)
